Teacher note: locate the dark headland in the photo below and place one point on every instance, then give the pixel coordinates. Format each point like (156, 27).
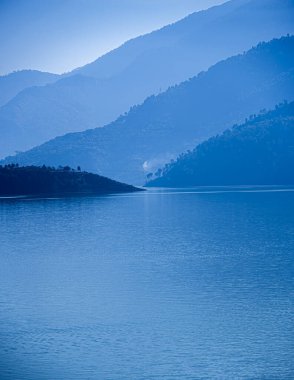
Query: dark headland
(34, 180)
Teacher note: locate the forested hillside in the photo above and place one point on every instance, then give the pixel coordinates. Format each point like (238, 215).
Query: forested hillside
(258, 152)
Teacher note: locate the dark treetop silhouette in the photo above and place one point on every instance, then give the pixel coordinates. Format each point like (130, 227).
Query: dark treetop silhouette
(33, 180)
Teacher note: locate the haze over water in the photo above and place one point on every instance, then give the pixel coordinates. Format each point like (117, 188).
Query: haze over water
(179, 284)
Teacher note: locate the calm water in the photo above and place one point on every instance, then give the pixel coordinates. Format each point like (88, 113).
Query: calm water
(158, 285)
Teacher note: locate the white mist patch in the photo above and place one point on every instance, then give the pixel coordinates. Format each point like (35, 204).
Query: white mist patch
(154, 164)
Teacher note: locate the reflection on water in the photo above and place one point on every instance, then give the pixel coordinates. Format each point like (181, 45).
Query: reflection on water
(181, 284)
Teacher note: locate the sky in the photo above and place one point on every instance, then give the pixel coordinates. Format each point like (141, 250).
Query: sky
(60, 35)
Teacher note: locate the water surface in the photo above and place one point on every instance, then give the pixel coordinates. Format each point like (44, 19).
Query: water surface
(165, 284)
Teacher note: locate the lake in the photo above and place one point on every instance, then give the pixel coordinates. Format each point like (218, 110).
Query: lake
(165, 284)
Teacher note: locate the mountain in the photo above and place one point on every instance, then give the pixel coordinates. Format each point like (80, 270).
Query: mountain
(12, 84)
(178, 119)
(33, 180)
(181, 50)
(258, 152)
(98, 93)
(56, 103)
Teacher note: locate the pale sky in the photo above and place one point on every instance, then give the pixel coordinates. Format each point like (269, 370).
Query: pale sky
(59, 35)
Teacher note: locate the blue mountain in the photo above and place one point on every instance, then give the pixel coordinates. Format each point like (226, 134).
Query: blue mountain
(98, 93)
(166, 125)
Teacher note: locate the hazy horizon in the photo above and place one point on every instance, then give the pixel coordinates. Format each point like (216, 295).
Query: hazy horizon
(58, 36)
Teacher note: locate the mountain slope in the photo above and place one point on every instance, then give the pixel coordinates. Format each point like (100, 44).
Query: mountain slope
(141, 67)
(174, 121)
(12, 84)
(259, 152)
(180, 50)
(57, 103)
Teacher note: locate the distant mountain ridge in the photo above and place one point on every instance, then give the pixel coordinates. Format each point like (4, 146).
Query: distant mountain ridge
(168, 124)
(258, 152)
(185, 41)
(14, 83)
(98, 93)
